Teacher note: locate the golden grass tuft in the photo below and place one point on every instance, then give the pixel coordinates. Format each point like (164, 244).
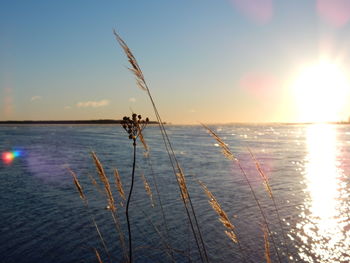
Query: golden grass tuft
(142, 139)
(224, 148)
(105, 181)
(136, 70)
(77, 185)
(262, 174)
(267, 246)
(223, 218)
(119, 185)
(148, 189)
(183, 187)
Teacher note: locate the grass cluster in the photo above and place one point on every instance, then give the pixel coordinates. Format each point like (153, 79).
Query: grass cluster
(134, 127)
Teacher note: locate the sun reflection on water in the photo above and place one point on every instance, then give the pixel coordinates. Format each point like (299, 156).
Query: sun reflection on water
(324, 228)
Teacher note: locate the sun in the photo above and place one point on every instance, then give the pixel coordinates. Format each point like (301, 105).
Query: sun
(321, 91)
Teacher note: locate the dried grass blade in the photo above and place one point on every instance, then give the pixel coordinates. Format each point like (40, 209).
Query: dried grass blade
(132, 60)
(77, 185)
(94, 183)
(267, 246)
(119, 185)
(98, 256)
(142, 139)
(105, 181)
(224, 148)
(223, 218)
(182, 182)
(148, 189)
(262, 174)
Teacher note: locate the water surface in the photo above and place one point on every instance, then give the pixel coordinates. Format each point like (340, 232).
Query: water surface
(42, 218)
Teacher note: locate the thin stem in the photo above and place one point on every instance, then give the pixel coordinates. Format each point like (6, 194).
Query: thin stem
(129, 198)
(269, 188)
(260, 208)
(161, 207)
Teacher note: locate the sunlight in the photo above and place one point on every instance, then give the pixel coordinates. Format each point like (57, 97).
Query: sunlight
(324, 222)
(321, 92)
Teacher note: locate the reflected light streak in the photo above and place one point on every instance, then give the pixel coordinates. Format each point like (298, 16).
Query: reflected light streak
(323, 228)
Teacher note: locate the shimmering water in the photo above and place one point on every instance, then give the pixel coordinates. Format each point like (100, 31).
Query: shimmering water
(42, 218)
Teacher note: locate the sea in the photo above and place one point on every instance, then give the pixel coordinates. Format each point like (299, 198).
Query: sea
(307, 167)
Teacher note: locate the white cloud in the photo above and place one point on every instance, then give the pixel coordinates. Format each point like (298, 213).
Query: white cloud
(67, 107)
(132, 99)
(93, 104)
(35, 98)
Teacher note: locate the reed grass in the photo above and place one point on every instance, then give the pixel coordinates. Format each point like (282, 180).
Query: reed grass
(98, 257)
(110, 201)
(118, 184)
(105, 181)
(271, 195)
(134, 127)
(190, 212)
(229, 155)
(147, 189)
(223, 218)
(160, 202)
(86, 204)
(267, 245)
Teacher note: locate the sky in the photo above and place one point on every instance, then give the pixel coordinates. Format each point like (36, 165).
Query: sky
(207, 61)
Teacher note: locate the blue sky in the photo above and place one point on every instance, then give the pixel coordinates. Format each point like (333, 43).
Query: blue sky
(205, 61)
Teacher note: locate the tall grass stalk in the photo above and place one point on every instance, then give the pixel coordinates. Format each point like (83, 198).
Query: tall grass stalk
(98, 256)
(110, 201)
(267, 246)
(164, 241)
(271, 195)
(86, 204)
(140, 80)
(160, 203)
(228, 154)
(223, 218)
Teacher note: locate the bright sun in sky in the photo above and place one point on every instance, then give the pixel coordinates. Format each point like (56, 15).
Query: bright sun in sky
(321, 92)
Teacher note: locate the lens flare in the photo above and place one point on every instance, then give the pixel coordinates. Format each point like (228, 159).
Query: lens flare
(8, 157)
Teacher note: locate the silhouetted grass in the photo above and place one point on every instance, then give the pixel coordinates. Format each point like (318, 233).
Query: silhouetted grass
(134, 127)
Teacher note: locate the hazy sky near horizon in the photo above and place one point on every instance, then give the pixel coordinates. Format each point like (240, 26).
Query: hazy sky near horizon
(205, 61)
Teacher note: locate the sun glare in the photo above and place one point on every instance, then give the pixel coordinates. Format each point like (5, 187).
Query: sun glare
(321, 91)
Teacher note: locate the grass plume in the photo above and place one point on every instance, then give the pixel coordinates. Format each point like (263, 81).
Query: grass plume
(105, 181)
(77, 185)
(229, 155)
(118, 183)
(223, 218)
(267, 245)
(270, 193)
(148, 189)
(86, 203)
(141, 82)
(183, 187)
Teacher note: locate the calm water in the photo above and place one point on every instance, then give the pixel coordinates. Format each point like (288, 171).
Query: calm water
(42, 218)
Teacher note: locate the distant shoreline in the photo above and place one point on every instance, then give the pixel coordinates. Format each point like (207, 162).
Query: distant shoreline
(108, 121)
(111, 122)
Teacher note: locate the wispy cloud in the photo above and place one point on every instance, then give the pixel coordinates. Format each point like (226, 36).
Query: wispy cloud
(35, 98)
(132, 99)
(67, 107)
(93, 104)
